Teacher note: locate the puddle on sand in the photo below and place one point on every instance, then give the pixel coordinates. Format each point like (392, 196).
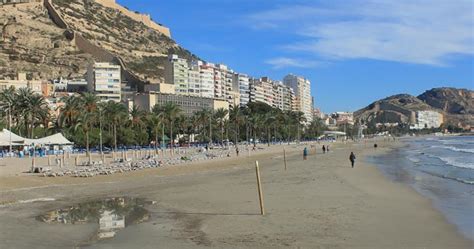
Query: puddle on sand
(112, 215)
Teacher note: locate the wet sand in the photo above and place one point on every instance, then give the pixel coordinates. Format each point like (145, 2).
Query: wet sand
(318, 203)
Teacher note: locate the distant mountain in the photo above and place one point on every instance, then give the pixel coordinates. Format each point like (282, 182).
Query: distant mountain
(456, 104)
(450, 100)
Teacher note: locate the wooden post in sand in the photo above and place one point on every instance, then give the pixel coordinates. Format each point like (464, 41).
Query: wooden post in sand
(284, 156)
(33, 164)
(260, 192)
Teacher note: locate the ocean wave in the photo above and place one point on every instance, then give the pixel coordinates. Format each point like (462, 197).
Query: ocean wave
(454, 149)
(452, 161)
(414, 159)
(466, 181)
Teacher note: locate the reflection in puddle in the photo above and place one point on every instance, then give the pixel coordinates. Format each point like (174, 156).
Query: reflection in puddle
(112, 215)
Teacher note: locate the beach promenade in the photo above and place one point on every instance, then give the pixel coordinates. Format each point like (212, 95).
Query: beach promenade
(318, 203)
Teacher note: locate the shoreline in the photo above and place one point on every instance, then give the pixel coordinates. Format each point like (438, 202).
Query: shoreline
(332, 204)
(448, 195)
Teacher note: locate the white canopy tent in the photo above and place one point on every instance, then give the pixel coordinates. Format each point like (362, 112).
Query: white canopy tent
(7, 138)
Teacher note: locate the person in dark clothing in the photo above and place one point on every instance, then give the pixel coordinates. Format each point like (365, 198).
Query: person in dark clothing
(237, 150)
(352, 158)
(324, 149)
(375, 146)
(305, 153)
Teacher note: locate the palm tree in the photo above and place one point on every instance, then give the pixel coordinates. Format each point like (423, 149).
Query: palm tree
(156, 120)
(70, 111)
(88, 116)
(171, 111)
(115, 113)
(220, 116)
(237, 118)
(299, 118)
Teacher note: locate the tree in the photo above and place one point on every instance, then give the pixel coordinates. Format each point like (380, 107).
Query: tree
(115, 113)
(171, 111)
(220, 116)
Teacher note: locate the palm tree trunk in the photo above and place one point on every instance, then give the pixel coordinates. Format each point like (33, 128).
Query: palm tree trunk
(156, 139)
(171, 136)
(115, 136)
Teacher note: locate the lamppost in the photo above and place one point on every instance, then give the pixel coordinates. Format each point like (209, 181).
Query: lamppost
(10, 125)
(100, 131)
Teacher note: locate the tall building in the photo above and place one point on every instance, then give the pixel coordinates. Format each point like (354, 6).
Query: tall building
(177, 73)
(104, 79)
(194, 80)
(261, 90)
(241, 84)
(206, 74)
(283, 96)
(220, 75)
(302, 88)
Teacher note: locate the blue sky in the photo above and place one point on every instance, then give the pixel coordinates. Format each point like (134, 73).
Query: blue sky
(354, 52)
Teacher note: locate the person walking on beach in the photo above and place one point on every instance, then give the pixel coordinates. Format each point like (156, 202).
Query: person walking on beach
(324, 149)
(327, 148)
(237, 150)
(352, 158)
(305, 153)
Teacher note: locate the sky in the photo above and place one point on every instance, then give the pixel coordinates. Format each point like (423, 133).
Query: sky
(353, 52)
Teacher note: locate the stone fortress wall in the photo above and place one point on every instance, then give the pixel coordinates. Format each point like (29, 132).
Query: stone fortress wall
(143, 18)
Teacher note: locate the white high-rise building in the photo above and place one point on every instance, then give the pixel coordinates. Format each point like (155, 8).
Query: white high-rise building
(177, 73)
(302, 88)
(220, 78)
(104, 79)
(206, 73)
(194, 80)
(241, 84)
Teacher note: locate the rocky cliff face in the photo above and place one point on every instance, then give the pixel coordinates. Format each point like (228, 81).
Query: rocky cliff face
(450, 100)
(456, 104)
(33, 43)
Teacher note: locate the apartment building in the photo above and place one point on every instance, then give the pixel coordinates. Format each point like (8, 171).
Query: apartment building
(241, 84)
(189, 104)
(302, 88)
(206, 74)
(194, 80)
(177, 73)
(261, 90)
(104, 79)
(427, 120)
(283, 96)
(220, 81)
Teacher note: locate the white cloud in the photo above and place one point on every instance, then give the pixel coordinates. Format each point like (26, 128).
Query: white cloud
(422, 31)
(285, 62)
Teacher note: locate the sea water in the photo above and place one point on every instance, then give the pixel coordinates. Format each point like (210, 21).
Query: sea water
(440, 168)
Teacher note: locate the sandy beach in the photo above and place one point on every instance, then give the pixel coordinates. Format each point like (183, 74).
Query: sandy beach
(317, 203)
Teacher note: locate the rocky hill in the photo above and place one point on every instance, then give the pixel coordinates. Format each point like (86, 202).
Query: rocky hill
(84, 31)
(456, 104)
(32, 43)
